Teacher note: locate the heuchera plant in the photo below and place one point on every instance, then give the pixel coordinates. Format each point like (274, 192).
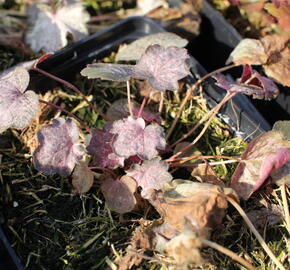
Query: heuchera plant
(136, 142)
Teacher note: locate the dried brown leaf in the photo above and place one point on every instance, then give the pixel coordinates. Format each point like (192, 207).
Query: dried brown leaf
(83, 178)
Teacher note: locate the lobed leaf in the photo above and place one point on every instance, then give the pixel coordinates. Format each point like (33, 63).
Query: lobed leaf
(100, 147)
(134, 138)
(48, 29)
(134, 50)
(58, 149)
(17, 106)
(163, 67)
(264, 155)
(151, 174)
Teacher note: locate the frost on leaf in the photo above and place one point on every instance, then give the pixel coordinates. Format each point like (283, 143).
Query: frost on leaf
(151, 174)
(134, 50)
(111, 72)
(119, 110)
(163, 67)
(135, 138)
(83, 178)
(17, 106)
(58, 149)
(272, 52)
(251, 83)
(49, 29)
(119, 194)
(100, 148)
(263, 156)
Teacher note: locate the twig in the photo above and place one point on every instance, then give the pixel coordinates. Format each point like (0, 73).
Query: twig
(72, 87)
(129, 98)
(285, 206)
(217, 108)
(214, 163)
(256, 233)
(67, 112)
(184, 159)
(189, 93)
(229, 253)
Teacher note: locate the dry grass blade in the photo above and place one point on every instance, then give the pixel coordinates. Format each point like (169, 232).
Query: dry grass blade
(256, 233)
(285, 206)
(229, 253)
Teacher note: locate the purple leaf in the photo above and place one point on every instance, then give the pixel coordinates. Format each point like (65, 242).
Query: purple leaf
(17, 106)
(152, 174)
(251, 83)
(133, 138)
(263, 156)
(100, 148)
(119, 194)
(49, 29)
(111, 72)
(58, 151)
(163, 67)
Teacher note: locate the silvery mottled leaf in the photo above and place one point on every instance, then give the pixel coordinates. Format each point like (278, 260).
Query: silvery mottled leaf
(111, 72)
(151, 174)
(49, 29)
(283, 127)
(100, 148)
(58, 150)
(163, 67)
(17, 106)
(119, 194)
(251, 83)
(263, 156)
(135, 138)
(134, 50)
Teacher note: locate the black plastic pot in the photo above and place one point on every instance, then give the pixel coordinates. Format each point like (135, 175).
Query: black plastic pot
(68, 62)
(213, 46)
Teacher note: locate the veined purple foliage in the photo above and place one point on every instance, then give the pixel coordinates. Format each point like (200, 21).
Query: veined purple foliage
(17, 106)
(251, 83)
(58, 150)
(100, 148)
(162, 67)
(133, 137)
(151, 174)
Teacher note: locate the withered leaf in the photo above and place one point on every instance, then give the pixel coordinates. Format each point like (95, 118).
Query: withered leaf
(283, 127)
(82, 178)
(203, 204)
(265, 154)
(272, 52)
(119, 194)
(134, 50)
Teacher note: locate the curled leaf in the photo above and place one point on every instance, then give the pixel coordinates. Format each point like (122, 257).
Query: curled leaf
(264, 155)
(111, 72)
(151, 174)
(134, 50)
(58, 149)
(251, 83)
(17, 106)
(283, 127)
(119, 194)
(134, 138)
